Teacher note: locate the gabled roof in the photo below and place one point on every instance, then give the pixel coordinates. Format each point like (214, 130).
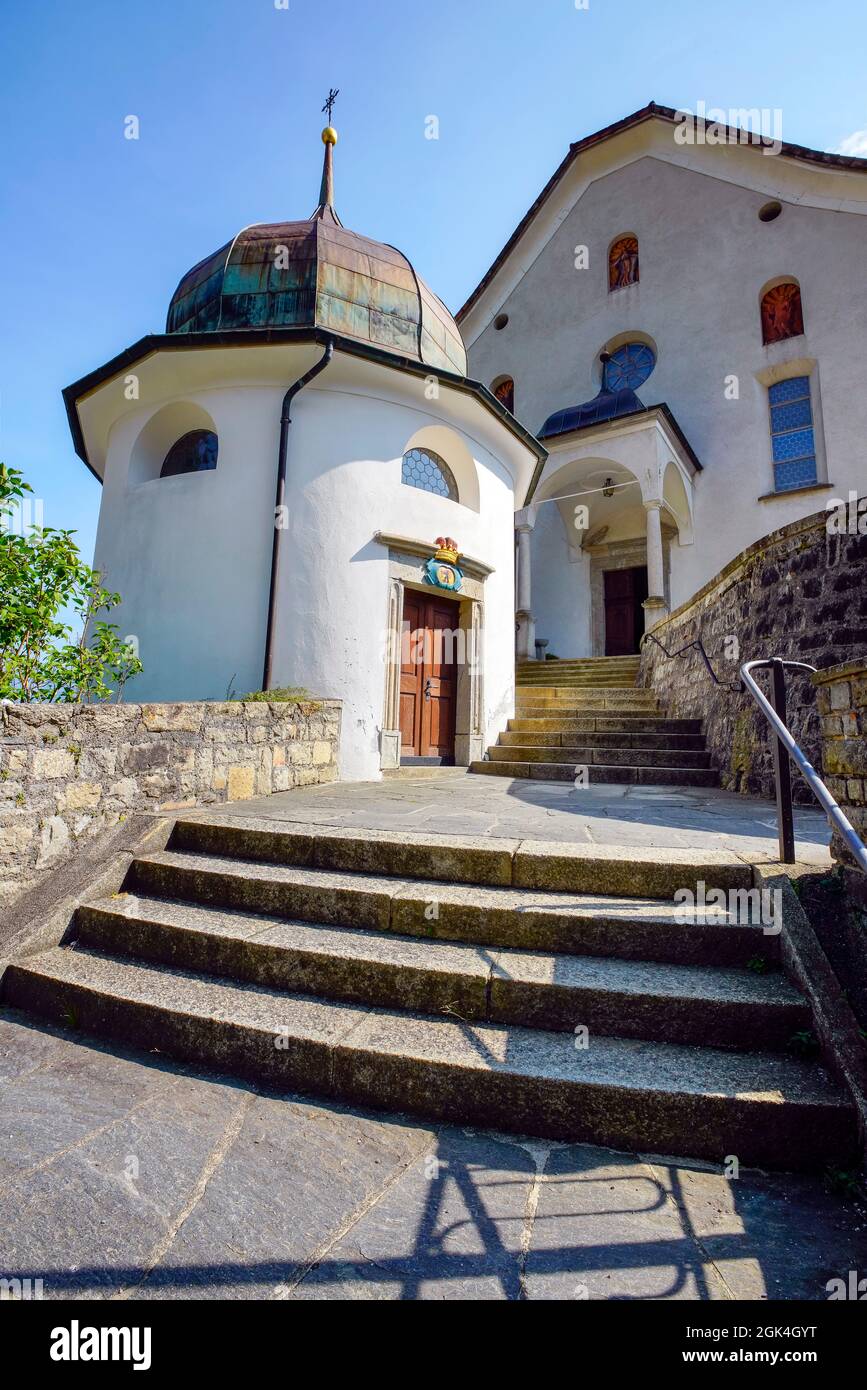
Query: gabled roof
(647, 113)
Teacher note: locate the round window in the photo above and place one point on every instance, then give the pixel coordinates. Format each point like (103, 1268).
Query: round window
(629, 366)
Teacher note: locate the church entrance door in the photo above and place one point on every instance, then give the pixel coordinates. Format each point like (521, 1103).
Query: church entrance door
(428, 679)
(625, 591)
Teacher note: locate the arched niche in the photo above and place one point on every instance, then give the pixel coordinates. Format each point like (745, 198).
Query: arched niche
(453, 450)
(164, 428)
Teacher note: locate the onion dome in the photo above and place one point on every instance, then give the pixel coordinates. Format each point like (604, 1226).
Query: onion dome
(318, 274)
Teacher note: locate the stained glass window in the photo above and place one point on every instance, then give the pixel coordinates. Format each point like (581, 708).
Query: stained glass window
(505, 393)
(629, 365)
(195, 452)
(792, 438)
(623, 263)
(425, 469)
(782, 315)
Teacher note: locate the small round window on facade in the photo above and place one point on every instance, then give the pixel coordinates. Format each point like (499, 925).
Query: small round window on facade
(500, 321)
(770, 212)
(628, 366)
(195, 452)
(424, 469)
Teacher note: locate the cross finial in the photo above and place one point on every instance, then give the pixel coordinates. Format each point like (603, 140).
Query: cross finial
(333, 94)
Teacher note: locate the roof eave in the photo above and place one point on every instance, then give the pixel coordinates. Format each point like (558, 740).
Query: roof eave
(618, 422)
(259, 337)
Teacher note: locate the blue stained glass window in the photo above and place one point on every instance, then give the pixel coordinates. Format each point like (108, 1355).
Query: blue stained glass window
(629, 365)
(793, 441)
(424, 469)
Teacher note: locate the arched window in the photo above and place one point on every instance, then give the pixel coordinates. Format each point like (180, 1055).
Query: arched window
(628, 366)
(782, 315)
(793, 440)
(504, 390)
(424, 469)
(195, 452)
(623, 263)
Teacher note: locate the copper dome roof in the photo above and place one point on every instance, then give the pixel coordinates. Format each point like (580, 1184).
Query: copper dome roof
(318, 274)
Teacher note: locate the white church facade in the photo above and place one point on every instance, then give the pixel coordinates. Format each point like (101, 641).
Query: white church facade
(664, 365)
(726, 282)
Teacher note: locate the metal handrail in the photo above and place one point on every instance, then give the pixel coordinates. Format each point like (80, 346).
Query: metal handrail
(699, 646)
(785, 747)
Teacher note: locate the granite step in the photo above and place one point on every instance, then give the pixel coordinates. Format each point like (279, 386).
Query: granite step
(764, 1107)
(620, 775)
(476, 861)
(600, 665)
(622, 722)
(623, 695)
(547, 913)
(604, 681)
(596, 754)
(715, 1007)
(573, 709)
(606, 738)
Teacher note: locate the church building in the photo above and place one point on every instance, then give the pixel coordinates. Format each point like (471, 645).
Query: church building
(679, 318)
(305, 483)
(302, 487)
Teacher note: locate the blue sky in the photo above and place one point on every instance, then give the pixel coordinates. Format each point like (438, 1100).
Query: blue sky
(98, 229)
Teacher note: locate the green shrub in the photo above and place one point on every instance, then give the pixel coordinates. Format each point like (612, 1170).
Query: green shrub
(41, 574)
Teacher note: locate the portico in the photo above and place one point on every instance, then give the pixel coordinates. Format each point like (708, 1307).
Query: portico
(594, 545)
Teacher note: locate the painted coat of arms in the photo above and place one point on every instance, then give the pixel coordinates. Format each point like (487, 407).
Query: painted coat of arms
(442, 570)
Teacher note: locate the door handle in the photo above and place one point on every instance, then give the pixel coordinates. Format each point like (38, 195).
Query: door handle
(427, 686)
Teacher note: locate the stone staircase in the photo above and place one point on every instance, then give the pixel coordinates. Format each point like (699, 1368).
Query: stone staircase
(587, 715)
(452, 977)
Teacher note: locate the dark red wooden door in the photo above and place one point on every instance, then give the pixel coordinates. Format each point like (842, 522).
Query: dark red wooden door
(620, 601)
(428, 677)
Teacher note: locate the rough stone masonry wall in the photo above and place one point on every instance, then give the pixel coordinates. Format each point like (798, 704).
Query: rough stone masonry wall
(68, 772)
(842, 698)
(800, 593)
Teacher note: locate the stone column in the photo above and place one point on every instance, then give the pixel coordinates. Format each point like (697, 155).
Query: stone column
(389, 739)
(524, 522)
(654, 605)
(470, 721)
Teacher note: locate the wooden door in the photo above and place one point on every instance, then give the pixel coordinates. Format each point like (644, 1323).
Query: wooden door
(620, 602)
(428, 677)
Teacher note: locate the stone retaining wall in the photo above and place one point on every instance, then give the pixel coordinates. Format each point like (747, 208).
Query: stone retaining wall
(68, 772)
(800, 593)
(842, 699)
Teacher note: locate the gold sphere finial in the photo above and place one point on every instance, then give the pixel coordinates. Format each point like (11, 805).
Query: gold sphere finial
(329, 135)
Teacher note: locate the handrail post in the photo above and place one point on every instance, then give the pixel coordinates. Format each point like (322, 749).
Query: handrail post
(782, 769)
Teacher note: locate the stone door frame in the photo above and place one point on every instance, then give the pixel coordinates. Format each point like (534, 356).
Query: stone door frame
(619, 555)
(405, 572)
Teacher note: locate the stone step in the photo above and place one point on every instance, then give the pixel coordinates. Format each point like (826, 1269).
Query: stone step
(582, 704)
(582, 663)
(619, 722)
(621, 775)
(624, 695)
(557, 675)
(766, 1108)
(576, 709)
(714, 1007)
(594, 755)
(610, 738)
(585, 686)
(544, 911)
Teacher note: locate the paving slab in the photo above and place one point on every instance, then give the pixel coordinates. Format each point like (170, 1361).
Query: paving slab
(185, 1185)
(459, 803)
